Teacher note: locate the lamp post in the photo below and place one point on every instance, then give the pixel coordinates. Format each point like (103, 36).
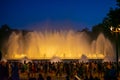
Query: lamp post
(116, 30)
(0, 55)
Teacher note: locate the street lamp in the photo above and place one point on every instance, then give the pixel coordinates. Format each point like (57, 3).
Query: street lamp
(116, 30)
(0, 55)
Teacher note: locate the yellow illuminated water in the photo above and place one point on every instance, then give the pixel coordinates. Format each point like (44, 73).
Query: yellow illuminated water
(62, 44)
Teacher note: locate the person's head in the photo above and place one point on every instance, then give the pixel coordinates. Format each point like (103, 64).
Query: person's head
(40, 75)
(48, 78)
(67, 78)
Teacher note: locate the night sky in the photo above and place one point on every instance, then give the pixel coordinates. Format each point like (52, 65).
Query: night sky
(54, 14)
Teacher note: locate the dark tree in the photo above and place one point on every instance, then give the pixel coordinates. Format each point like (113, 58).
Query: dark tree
(118, 3)
(111, 19)
(5, 32)
(97, 29)
(113, 16)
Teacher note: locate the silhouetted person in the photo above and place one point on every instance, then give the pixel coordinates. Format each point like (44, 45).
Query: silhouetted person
(86, 78)
(67, 78)
(3, 71)
(113, 73)
(15, 72)
(40, 77)
(49, 78)
(91, 77)
(96, 78)
(32, 78)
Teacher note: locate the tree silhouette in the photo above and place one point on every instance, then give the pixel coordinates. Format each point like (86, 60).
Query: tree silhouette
(5, 32)
(111, 19)
(118, 3)
(113, 16)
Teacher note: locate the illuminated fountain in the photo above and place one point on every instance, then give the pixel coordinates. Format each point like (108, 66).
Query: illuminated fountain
(62, 44)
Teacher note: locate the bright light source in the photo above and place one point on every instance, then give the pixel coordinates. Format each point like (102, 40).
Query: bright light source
(118, 29)
(111, 28)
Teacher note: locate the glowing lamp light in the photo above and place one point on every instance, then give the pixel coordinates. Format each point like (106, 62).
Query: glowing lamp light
(111, 28)
(119, 28)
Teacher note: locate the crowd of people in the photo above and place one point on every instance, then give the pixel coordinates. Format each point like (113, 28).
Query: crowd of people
(69, 70)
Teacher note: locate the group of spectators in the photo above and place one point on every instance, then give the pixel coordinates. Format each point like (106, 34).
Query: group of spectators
(70, 70)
